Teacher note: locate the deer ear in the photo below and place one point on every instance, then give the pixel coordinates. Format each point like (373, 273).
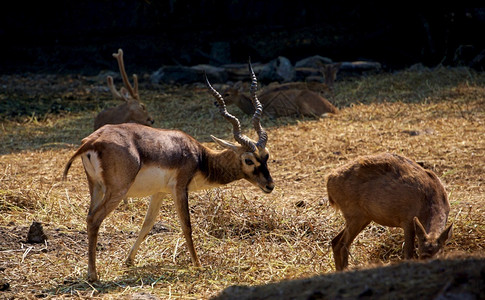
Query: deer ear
(418, 228)
(225, 144)
(445, 235)
(238, 85)
(124, 94)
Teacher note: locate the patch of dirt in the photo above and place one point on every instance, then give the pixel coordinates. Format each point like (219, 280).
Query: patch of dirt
(15, 238)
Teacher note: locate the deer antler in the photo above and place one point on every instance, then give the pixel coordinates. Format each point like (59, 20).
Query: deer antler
(133, 91)
(258, 110)
(238, 136)
(113, 90)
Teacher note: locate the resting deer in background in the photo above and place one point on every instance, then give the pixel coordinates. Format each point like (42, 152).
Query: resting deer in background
(132, 110)
(394, 191)
(131, 160)
(281, 102)
(290, 99)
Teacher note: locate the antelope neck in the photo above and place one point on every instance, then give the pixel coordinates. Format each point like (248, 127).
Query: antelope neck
(221, 166)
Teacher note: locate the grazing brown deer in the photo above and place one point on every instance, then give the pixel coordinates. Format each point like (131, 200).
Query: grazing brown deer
(394, 191)
(131, 160)
(132, 110)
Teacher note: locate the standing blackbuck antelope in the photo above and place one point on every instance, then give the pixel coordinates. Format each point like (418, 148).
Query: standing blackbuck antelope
(394, 191)
(131, 160)
(132, 110)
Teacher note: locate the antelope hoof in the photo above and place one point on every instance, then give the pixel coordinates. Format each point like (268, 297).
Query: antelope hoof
(92, 277)
(129, 262)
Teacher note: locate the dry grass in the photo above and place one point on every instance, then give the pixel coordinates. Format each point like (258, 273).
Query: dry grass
(242, 236)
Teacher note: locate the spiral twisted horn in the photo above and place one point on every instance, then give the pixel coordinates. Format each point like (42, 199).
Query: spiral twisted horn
(258, 110)
(238, 136)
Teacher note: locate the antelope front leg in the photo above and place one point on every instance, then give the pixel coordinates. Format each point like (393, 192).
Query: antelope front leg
(151, 216)
(336, 248)
(182, 205)
(409, 234)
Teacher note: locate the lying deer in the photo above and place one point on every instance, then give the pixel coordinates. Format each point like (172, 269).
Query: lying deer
(289, 99)
(132, 110)
(131, 160)
(284, 102)
(394, 191)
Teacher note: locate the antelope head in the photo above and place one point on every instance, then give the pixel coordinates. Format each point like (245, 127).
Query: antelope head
(253, 155)
(430, 243)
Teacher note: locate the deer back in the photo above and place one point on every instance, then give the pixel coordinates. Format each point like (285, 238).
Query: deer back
(295, 102)
(131, 111)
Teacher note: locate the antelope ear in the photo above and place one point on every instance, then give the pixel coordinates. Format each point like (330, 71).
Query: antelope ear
(445, 235)
(225, 144)
(418, 228)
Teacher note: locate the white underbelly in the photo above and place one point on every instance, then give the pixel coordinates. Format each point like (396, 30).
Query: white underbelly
(152, 180)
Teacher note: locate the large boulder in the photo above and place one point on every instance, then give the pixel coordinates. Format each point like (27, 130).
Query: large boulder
(279, 69)
(187, 75)
(313, 62)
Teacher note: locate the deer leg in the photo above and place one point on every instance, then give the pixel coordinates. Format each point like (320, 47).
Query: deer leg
(336, 246)
(150, 217)
(182, 206)
(341, 243)
(97, 213)
(409, 234)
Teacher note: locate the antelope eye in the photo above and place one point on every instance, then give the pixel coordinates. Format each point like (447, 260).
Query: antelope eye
(248, 162)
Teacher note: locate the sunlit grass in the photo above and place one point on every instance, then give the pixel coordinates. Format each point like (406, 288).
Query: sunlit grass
(243, 237)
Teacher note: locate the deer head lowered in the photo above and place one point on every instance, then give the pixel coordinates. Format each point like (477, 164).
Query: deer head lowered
(394, 191)
(132, 110)
(131, 160)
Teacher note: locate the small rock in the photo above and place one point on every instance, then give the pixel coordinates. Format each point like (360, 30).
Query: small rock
(4, 286)
(159, 227)
(36, 233)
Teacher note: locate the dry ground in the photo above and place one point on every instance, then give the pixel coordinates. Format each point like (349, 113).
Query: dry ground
(243, 237)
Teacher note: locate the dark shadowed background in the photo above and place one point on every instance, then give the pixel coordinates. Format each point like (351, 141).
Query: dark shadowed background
(79, 36)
